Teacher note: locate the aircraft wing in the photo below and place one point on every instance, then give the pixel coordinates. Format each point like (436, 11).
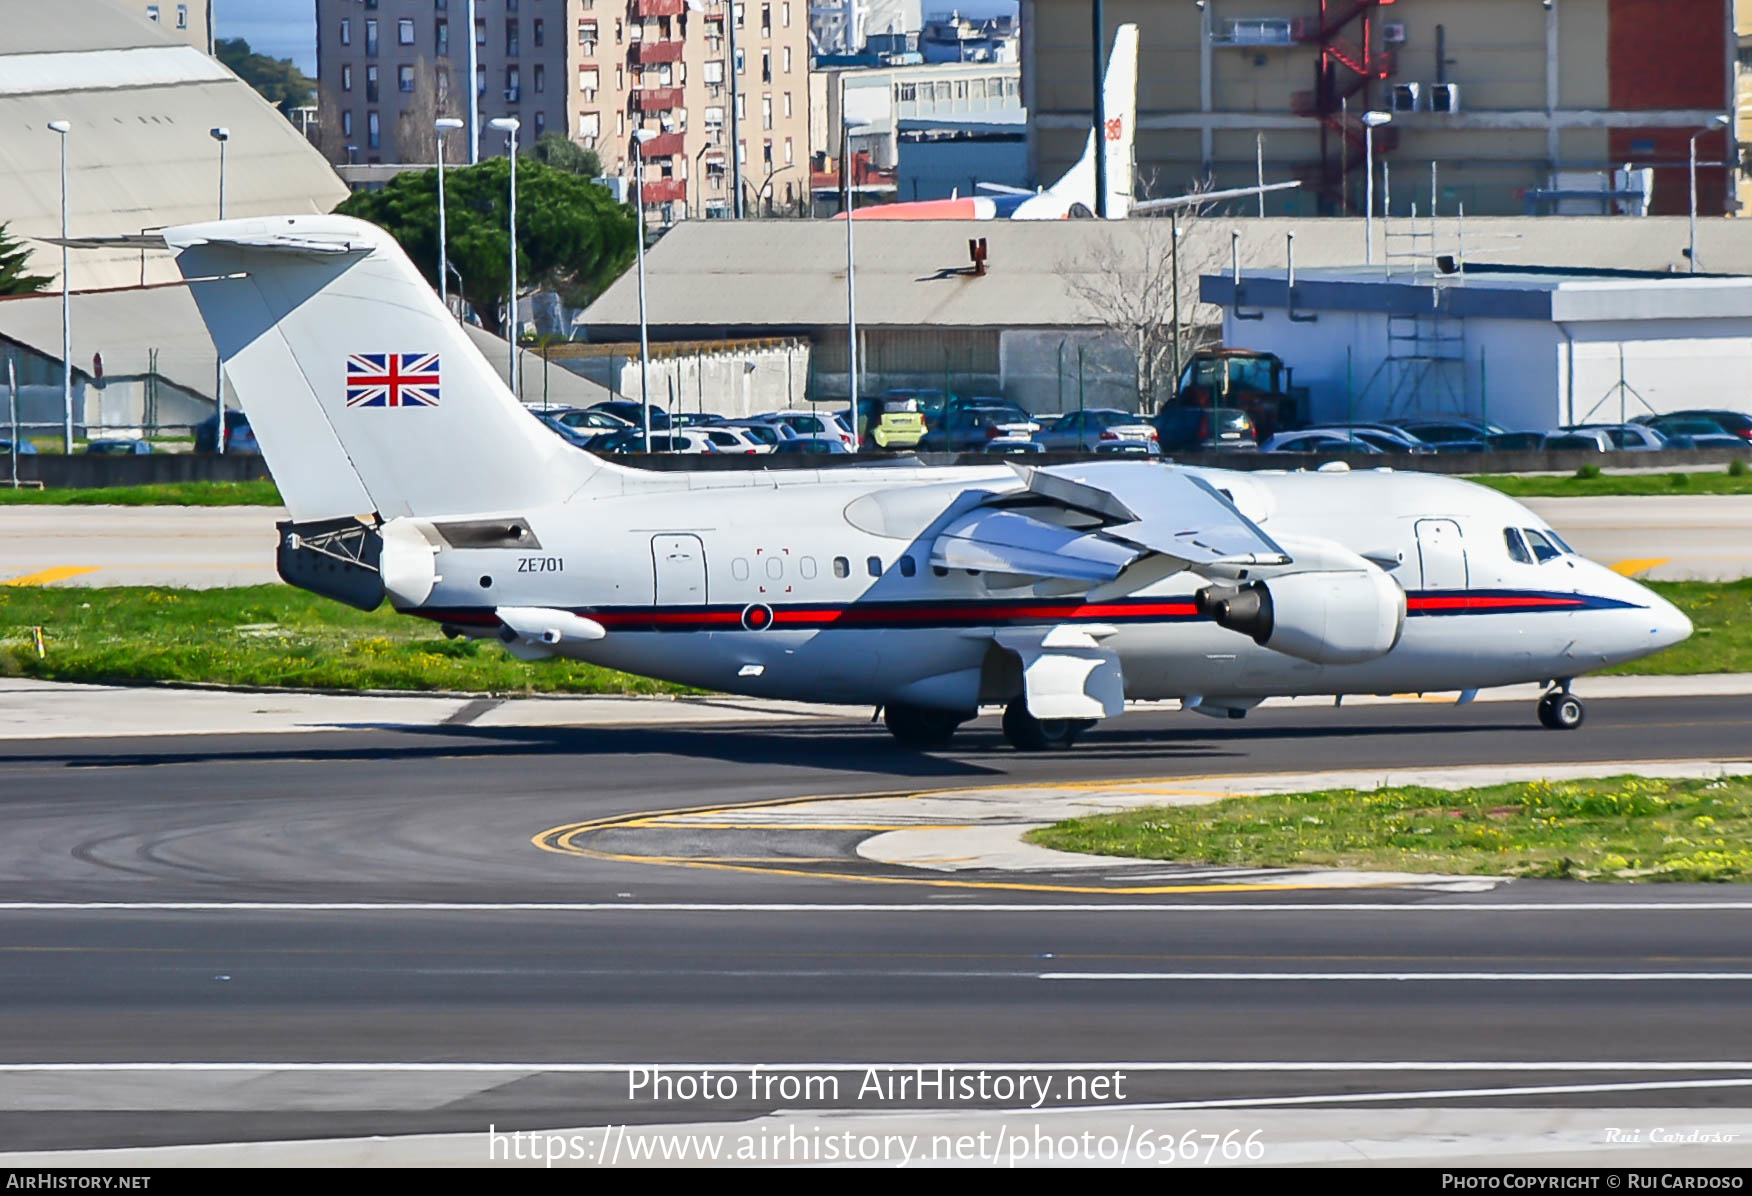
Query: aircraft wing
(1089, 523)
(1199, 198)
(272, 242)
(1004, 189)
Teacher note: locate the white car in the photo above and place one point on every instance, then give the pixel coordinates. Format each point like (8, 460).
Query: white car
(813, 423)
(727, 438)
(1086, 430)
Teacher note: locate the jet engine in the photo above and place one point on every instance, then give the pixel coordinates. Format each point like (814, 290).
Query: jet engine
(1328, 617)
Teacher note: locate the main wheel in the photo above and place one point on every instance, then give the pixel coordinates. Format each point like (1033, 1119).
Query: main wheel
(1029, 734)
(1561, 711)
(922, 726)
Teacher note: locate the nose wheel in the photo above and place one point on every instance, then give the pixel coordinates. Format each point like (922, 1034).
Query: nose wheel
(1560, 710)
(1029, 734)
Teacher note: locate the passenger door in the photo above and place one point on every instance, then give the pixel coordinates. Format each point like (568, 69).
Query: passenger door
(1442, 554)
(679, 562)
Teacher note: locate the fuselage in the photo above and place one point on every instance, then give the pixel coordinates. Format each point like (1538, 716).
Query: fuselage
(820, 587)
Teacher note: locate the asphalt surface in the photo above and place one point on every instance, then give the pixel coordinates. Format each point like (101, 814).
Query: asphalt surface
(1668, 537)
(619, 963)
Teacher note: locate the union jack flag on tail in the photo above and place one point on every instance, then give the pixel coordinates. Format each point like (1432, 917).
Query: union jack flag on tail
(392, 380)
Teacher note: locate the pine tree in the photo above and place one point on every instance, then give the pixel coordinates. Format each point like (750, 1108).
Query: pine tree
(13, 259)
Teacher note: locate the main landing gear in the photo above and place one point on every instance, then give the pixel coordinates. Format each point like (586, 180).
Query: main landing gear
(1560, 710)
(1029, 734)
(923, 726)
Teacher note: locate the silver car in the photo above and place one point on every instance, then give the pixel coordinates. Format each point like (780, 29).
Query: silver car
(1088, 429)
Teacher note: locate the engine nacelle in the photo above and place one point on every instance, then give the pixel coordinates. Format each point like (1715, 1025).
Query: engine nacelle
(1328, 617)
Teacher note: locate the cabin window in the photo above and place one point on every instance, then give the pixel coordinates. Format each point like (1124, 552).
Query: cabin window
(1517, 546)
(739, 568)
(907, 567)
(775, 567)
(806, 566)
(874, 564)
(841, 567)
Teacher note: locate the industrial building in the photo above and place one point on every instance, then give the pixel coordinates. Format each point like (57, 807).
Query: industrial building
(597, 73)
(1519, 101)
(1526, 347)
(140, 103)
(930, 316)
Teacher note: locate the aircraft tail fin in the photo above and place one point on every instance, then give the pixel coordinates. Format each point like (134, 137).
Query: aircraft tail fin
(1120, 100)
(363, 391)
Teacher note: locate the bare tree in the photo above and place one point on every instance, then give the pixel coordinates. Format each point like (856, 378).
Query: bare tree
(431, 98)
(330, 141)
(1127, 279)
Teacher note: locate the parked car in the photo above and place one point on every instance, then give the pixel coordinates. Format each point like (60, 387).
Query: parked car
(967, 424)
(1734, 423)
(771, 435)
(239, 436)
(894, 420)
(25, 448)
(1086, 430)
(1128, 448)
(681, 440)
(1627, 437)
(1587, 440)
(1317, 440)
(814, 444)
(1184, 429)
(591, 423)
(1682, 433)
(695, 419)
(633, 412)
(119, 446)
(568, 434)
(1013, 446)
(732, 440)
(813, 423)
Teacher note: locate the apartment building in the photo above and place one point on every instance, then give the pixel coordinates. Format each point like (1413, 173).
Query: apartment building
(190, 20)
(596, 70)
(1519, 103)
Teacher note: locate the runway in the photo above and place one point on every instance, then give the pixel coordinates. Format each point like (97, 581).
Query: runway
(398, 912)
(1670, 538)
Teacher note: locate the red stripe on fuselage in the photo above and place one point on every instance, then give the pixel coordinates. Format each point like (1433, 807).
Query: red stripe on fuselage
(1467, 602)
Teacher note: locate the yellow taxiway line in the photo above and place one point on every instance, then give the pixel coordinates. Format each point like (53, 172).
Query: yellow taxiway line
(50, 576)
(1639, 564)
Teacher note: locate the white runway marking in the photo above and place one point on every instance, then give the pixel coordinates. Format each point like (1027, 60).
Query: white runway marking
(1450, 977)
(691, 907)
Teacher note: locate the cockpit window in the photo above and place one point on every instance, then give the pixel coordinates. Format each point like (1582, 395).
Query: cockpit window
(1559, 541)
(1543, 549)
(1517, 546)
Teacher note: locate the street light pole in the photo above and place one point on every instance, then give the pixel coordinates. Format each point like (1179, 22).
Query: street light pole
(222, 135)
(474, 89)
(1716, 122)
(509, 125)
(851, 276)
(441, 126)
(640, 137)
(735, 116)
(1370, 121)
(63, 128)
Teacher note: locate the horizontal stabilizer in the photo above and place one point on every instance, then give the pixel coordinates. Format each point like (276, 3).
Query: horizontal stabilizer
(1197, 199)
(269, 242)
(1004, 189)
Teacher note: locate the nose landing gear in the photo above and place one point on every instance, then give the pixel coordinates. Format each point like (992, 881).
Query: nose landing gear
(1561, 710)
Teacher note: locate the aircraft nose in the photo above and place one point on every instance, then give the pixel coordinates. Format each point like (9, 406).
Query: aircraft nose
(1670, 625)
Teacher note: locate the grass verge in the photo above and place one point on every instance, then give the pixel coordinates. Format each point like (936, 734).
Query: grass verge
(1721, 612)
(1619, 829)
(1612, 485)
(174, 494)
(265, 636)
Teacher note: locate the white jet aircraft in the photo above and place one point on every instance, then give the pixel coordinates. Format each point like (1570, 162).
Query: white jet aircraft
(1057, 593)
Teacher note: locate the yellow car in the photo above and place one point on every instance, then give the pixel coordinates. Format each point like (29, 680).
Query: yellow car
(892, 421)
